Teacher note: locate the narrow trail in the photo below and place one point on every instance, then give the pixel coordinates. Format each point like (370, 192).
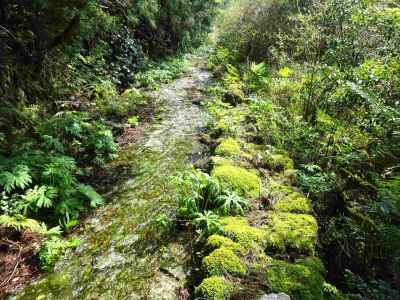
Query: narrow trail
(122, 256)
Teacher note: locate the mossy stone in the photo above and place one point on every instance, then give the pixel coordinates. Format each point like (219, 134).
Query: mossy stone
(215, 288)
(217, 241)
(279, 162)
(228, 147)
(301, 280)
(238, 179)
(293, 231)
(278, 191)
(290, 176)
(294, 203)
(241, 232)
(221, 161)
(223, 260)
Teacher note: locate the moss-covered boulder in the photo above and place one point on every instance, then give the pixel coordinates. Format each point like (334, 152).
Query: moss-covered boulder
(222, 261)
(301, 280)
(291, 231)
(239, 230)
(278, 161)
(221, 161)
(215, 288)
(238, 179)
(294, 203)
(228, 147)
(290, 177)
(217, 241)
(278, 191)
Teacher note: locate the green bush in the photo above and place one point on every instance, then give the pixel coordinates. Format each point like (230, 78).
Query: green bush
(251, 28)
(75, 134)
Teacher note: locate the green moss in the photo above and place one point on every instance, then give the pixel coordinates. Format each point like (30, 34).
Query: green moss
(238, 179)
(228, 147)
(217, 241)
(301, 280)
(279, 162)
(294, 231)
(215, 288)
(252, 148)
(278, 191)
(241, 232)
(223, 260)
(260, 261)
(221, 161)
(290, 176)
(295, 203)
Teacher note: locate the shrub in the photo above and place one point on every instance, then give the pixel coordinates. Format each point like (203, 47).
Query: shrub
(52, 249)
(75, 134)
(250, 28)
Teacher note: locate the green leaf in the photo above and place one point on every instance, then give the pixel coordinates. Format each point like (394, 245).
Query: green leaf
(40, 197)
(91, 194)
(18, 178)
(20, 222)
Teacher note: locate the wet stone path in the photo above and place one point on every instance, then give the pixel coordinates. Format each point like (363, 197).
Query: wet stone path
(122, 255)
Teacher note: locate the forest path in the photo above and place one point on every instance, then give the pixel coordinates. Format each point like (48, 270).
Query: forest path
(122, 256)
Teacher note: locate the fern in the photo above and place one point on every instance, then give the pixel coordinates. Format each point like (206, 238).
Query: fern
(20, 222)
(40, 197)
(18, 178)
(231, 203)
(91, 194)
(59, 171)
(208, 222)
(256, 77)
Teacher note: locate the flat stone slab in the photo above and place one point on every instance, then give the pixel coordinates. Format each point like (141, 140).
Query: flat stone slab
(280, 296)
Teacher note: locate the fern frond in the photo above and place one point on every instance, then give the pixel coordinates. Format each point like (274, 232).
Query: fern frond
(18, 178)
(20, 222)
(232, 203)
(91, 194)
(40, 196)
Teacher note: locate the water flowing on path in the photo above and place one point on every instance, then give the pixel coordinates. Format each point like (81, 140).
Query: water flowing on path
(122, 256)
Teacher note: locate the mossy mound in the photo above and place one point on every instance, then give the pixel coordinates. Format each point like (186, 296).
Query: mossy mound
(278, 162)
(228, 147)
(301, 280)
(278, 191)
(289, 177)
(217, 241)
(221, 161)
(295, 203)
(241, 232)
(215, 288)
(223, 260)
(292, 231)
(238, 179)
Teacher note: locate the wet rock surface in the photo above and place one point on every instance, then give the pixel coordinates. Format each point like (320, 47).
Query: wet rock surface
(122, 254)
(280, 296)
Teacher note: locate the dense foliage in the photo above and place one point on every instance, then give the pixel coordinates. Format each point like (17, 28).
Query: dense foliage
(320, 79)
